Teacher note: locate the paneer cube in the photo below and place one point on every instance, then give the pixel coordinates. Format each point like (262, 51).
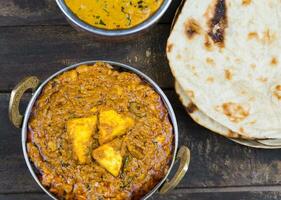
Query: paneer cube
(161, 140)
(112, 125)
(81, 131)
(109, 157)
(94, 109)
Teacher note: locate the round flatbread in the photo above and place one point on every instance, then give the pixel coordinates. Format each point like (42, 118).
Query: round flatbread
(226, 56)
(201, 118)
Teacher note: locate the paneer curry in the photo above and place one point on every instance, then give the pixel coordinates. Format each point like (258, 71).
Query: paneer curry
(113, 14)
(98, 133)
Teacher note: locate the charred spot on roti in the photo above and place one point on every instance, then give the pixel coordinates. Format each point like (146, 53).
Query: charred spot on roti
(169, 47)
(193, 69)
(243, 92)
(232, 134)
(191, 108)
(241, 130)
(253, 35)
(190, 94)
(262, 79)
(218, 23)
(228, 74)
(268, 37)
(238, 60)
(210, 79)
(252, 122)
(246, 2)
(277, 92)
(253, 66)
(246, 136)
(210, 61)
(234, 112)
(239, 136)
(274, 61)
(208, 44)
(192, 28)
(252, 98)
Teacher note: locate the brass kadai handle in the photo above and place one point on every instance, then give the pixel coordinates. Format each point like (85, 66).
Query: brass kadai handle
(14, 114)
(184, 156)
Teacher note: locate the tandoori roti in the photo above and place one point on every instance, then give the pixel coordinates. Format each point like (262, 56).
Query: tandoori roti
(225, 56)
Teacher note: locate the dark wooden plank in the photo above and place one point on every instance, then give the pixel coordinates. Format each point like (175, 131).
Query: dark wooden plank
(14, 173)
(29, 12)
(45, 12)
(186, 194)
(216, 161)
(175, 195)
(44, 50)
(29, 196)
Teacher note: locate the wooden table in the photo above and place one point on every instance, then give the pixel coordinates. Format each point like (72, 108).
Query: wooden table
(35, 39)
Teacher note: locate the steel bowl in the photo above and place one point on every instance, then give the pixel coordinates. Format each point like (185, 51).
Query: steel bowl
(182, 154)
(80, 25)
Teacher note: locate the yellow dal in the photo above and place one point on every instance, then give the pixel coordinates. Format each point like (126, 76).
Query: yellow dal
(113, 14)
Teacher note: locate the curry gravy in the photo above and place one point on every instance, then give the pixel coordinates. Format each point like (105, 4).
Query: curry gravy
(113, 14)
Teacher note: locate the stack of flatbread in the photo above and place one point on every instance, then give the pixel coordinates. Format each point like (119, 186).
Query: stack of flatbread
(226, 59)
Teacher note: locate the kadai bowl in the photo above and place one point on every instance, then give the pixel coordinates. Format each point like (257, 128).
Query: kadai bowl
(99, 130)
(113, 18)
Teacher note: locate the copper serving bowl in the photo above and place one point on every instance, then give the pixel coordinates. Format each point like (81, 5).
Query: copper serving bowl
(21, 121)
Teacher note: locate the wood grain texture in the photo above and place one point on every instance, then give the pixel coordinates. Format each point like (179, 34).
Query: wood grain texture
(25, 196)
(46, 12)
(186, 195)
(43, 50)
(29, 12)
(175, 195)
(216, 161)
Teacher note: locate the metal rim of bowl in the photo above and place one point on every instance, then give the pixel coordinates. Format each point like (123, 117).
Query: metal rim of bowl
(114, 65)
(111, 33)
